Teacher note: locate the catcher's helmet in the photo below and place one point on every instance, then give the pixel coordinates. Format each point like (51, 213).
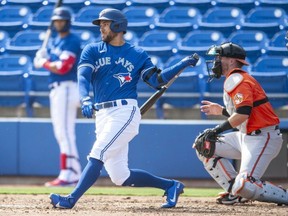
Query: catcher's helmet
(227, 49)
(230, 50)
(119, 21)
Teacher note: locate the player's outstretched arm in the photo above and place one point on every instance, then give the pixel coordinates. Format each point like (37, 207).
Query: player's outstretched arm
(160, 78)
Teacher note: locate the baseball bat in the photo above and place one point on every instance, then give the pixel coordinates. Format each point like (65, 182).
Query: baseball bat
(49, 30)
(153, 98)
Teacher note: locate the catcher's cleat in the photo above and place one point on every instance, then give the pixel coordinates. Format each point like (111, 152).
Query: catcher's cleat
(172, 194)
(229, 199)
(63, 202)
(60, 183)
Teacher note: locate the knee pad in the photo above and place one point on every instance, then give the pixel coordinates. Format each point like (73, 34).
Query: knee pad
(221, 171)
(254, 189)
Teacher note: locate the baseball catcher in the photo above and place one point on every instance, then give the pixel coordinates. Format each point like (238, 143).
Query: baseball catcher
(257, 141)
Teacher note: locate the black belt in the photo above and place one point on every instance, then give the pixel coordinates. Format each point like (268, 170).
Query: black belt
(108, 104)
(258, 131)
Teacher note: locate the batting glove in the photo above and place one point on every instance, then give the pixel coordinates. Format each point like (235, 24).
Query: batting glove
(38, 62)
(87, 107)
(42, 53)
(191, 60)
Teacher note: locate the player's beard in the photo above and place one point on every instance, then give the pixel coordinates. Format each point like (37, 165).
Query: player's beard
(110, 36)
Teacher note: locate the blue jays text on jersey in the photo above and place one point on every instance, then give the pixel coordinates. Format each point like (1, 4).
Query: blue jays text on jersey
(116, 70)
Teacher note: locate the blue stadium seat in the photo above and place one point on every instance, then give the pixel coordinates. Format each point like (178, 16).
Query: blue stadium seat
(212, 91)
(12, 79)
(144, 92)
(4, 38)
(244, 5)
(131, 37)
(156, 60)
(224, 19)
(180, 19)
(162, 43)
(83, 19)
(275, 85)
(253, 41)
(271, 64)
(267, 19)
(38, 90)
(74, 4)
(118, 4)
(277, 45)
(199, 41)
(160, 5)
(140, 18)
(202, 5)
(26, 42)
(14, 18)
(274, 3)
(32, 4)
(183, 93)
(41, 18)
(85, 36)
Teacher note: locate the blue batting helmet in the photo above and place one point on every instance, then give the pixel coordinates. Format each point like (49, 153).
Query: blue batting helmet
(62, 13)
(119, 21)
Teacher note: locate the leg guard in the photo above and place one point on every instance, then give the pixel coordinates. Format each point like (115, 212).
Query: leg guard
(250, 188)
(221, 170)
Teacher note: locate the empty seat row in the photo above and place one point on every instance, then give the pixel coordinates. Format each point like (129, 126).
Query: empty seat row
(160, 43)
(143, 18)
(256, 43)
(202, 5)
(22, 85)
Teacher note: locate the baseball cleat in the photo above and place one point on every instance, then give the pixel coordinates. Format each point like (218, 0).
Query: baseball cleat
(172, 194)
(60, 183)
(229, 199)
(63, 202)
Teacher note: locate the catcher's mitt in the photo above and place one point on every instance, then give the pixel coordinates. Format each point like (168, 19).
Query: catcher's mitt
(205, 142)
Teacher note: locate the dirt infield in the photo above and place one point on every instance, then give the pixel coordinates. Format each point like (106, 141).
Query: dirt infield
(35, 205)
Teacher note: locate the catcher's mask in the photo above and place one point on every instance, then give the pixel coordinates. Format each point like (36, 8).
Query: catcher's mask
(227, 49)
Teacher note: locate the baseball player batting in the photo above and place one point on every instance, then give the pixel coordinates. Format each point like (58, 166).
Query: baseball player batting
(256, 143)
(61, 60)
(114, 67)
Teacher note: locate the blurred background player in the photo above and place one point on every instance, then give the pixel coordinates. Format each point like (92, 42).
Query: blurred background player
(61, 60)
(256, 143)
(114, 67)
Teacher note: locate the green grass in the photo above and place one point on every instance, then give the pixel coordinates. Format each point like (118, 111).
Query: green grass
(117, 191)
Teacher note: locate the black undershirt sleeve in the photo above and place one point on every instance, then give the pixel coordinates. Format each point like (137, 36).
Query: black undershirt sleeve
(246, 110)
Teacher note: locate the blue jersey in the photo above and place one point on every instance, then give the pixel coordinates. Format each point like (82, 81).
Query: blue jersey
(66, 51)
(116, 70)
